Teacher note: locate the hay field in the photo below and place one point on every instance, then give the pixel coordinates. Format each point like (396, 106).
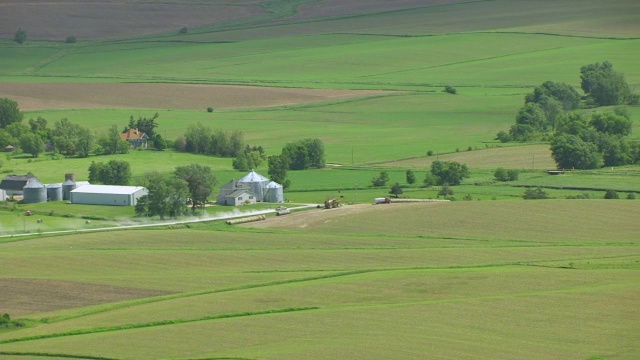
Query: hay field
(360, 281)
(52, 96)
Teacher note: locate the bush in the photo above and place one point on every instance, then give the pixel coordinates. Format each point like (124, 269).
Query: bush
(502, 174)
(467, 197)
(450, 89)
(70, 40)
(184, 30)
(504, 137)
(631, 196)
(445, 190)
(611, 194)
(209, 109)
(533, 194)
(581, 196)
(430, 153)
(20, 36)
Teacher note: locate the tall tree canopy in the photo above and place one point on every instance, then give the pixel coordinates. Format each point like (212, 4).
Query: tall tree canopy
(9, 112)
(605, 86)
(200, 181)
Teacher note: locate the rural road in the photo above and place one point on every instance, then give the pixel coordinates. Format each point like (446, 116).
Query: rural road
(165, 223)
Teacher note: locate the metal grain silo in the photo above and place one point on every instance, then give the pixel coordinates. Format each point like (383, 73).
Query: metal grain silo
(67, 186)
(34, 192)
(273, 193)
(54, 192)
(256, 183)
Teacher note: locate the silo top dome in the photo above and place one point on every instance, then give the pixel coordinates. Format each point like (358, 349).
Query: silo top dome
(273, 185)
(53, 186)
(69, 182)
(33, 184)
(253, 177)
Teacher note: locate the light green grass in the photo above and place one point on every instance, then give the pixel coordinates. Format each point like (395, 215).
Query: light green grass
(446, 274)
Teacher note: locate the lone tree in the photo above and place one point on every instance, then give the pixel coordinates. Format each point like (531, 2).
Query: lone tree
(410, 177)
(9, 112)
(396, 190)
(20, 37)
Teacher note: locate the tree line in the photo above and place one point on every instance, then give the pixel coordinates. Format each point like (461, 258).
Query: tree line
(551, 113)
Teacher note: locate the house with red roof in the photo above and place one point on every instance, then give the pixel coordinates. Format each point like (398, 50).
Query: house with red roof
(135, 138)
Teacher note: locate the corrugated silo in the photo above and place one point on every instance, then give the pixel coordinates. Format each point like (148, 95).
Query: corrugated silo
(273, 193)
(34, 192)
(256, 182)
(67, 186)
(54, 192)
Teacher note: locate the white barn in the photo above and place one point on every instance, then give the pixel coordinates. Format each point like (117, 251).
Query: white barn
(108, 195)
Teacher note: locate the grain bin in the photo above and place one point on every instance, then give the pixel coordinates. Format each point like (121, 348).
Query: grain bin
(256, 183)
(67, 186)
(34, 192)
(273, 193)
(54, 192)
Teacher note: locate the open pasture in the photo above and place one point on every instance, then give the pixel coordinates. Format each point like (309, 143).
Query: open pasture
(351, 279)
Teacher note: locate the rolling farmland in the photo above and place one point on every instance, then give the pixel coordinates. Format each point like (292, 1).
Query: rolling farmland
(495, 277)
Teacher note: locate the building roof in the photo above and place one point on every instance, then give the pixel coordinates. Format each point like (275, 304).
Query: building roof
(253, 177)
(16, 182)
(107, 189)
(132, 134)
(33, 183)
(239, 192)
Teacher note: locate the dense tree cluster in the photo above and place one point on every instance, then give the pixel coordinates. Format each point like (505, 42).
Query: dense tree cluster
(605, 86)
(114, 172)
(583, 142)
(200, 181)
(537, 119)
(169, 194)
(446, 172)
(9, 112)
(250, 158)
(304, 154)
(278, 167)
(202, 140)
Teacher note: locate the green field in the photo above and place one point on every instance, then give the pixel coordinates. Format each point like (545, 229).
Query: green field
(348, 286)
(491, 278)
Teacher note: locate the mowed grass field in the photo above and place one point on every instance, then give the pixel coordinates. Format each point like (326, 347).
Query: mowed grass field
(450, 280)
(492, 278)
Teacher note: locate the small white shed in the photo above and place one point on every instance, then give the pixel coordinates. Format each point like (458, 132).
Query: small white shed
(108, 195)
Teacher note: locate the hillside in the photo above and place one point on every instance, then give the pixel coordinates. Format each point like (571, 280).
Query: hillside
(92, 20)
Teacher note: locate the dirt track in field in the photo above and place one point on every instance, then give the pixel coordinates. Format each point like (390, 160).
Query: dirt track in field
(44, 96)
(20, 297)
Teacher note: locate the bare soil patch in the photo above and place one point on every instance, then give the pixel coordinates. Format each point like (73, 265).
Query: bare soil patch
(20, 297)
(44, 96)
(57, 19)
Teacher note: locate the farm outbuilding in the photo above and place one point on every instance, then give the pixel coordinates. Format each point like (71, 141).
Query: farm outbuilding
(54, 192)
(251, 188)
(34, 192)
(13, 184)
(273, 193)
(108, 195)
